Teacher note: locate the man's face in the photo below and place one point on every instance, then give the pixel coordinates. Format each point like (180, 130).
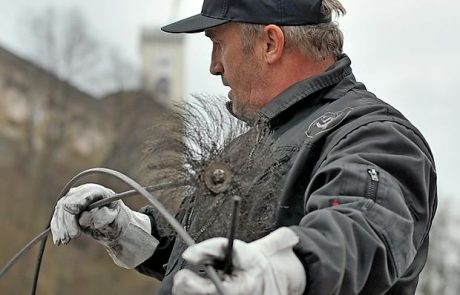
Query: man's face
(241, 71)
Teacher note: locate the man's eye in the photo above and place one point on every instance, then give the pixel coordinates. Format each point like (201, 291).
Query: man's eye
(216, 44)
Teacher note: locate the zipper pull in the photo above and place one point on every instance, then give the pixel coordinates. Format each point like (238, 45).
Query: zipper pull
(374, 174)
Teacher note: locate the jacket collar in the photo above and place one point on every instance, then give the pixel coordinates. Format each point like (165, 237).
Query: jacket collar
(302, 89)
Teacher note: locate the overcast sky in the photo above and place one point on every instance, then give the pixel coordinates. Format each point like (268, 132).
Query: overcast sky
(407, 52)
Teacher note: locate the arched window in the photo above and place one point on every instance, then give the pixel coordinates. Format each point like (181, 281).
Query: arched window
(163, 87)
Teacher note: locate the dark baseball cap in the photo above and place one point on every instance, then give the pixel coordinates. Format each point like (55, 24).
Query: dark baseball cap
(278, 12)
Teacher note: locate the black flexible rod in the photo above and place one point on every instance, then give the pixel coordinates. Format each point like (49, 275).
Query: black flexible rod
(137, 188)
(100, 203)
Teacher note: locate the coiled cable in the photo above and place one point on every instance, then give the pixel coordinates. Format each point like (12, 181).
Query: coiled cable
(138, 189)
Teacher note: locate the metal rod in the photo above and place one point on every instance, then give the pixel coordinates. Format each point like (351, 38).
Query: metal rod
(228, 264)
(212, 274)
(131, 193)
(97, 204)
(24, 250)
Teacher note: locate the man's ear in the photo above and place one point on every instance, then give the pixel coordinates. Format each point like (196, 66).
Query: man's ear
(274, 43)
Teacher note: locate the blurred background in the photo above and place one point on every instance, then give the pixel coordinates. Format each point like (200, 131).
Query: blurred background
(77, 77)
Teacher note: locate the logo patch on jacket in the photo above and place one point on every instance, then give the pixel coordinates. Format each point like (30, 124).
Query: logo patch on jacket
(326, 122)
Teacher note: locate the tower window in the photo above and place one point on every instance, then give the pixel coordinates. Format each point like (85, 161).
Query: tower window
(163, 87)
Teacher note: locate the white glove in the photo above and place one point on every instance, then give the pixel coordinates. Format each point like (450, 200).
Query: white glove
(267, 266)
(124, 233)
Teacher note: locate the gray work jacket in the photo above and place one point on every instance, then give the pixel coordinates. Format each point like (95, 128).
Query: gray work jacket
(354, 179)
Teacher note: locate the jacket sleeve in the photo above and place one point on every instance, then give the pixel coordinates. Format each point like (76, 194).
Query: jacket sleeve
(368, 210)
(155, 265)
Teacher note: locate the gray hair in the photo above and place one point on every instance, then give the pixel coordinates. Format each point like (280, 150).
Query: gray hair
(315, 41)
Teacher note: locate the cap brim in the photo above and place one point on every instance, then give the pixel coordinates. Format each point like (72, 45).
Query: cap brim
(194, 24)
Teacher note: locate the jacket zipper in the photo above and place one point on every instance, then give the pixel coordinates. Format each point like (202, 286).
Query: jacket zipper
(188, 219)
(373, 184)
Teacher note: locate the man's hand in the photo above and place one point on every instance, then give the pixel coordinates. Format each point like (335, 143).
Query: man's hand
(124, 233)
(65, 226)
(267, 266)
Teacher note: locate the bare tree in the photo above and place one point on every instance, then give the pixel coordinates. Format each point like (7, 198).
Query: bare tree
(61, 43)
(64, 45)
(441, 273)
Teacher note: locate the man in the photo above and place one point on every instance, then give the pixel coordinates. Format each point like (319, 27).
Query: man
(344, 202)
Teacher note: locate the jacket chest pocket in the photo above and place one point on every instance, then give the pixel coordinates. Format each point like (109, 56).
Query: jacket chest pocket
(282, 159)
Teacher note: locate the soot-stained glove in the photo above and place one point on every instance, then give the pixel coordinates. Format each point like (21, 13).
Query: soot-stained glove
(267, 266)
(123, 232)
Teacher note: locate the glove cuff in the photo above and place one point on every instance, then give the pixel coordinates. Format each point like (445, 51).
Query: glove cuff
(278, 240)
(135, 243)
(287, 274)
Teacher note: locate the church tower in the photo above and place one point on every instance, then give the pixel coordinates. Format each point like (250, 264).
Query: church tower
(163, 64)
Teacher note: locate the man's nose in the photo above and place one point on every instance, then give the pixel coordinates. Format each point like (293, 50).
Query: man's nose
(216, 68)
